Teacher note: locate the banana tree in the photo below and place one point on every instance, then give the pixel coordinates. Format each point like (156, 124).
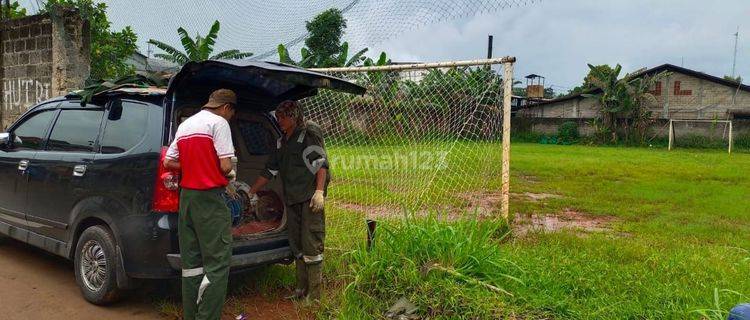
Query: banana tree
(627, 98)
(612, 95)
(343, 58)
(640, 91)
(309, 60)
(198, 49)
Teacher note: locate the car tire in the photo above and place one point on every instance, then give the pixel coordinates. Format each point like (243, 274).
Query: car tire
(96, 266)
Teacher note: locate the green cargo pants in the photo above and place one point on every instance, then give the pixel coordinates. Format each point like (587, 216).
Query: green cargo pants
(306, 237)
(205, 249)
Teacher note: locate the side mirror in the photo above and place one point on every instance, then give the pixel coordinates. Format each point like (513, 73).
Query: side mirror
(115, 110)
(4, 140)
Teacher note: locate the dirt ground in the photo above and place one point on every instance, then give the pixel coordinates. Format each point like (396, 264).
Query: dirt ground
(569, 219)
(35, 284)
(38, 285)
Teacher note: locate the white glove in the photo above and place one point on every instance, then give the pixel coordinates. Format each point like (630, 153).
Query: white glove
(254, 200)
(317, 203)
(232, 175)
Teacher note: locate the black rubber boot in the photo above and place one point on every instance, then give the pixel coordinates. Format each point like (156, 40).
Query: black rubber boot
(302, 280)
(315, 280)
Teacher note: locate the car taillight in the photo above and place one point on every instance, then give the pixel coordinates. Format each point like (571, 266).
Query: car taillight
(166, 190)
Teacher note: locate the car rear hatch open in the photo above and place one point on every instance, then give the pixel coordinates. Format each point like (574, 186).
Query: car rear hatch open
(259, 85)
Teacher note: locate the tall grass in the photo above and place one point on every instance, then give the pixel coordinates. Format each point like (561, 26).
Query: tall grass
(448, 269)
(718, 312)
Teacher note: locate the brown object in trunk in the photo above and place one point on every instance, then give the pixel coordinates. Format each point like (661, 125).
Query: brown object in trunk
(254, 227)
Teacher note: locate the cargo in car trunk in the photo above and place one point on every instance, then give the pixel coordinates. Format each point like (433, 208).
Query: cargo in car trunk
(260, 87)
(255, 135)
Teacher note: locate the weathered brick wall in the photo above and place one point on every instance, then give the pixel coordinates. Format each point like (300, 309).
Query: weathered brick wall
(549, 126)
(574, 108)
(683, 96)
(679, 96)
(26, 64)
(43, 56)
(71, 47)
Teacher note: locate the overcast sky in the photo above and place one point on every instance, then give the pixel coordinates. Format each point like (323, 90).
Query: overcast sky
(554, 38)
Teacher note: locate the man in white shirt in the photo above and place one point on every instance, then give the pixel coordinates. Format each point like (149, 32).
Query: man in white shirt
(202, 152)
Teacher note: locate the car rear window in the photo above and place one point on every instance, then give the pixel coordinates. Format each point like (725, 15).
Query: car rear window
(258, 139)
(125, 132)
(76, 130)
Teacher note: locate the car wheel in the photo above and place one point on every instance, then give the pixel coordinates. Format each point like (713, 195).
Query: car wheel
(95, 266)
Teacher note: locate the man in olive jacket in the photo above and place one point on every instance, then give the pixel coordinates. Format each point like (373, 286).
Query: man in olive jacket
(300, 161)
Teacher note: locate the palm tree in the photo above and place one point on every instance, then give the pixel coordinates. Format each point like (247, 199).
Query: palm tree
(199, 49)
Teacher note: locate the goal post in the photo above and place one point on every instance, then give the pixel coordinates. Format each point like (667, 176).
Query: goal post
(507, 105)
(701, 133)
(425, 137)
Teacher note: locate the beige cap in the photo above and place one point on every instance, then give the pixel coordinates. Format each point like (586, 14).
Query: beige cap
(221, 97)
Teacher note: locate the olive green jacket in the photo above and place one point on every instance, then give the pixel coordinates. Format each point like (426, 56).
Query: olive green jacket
(297, 160)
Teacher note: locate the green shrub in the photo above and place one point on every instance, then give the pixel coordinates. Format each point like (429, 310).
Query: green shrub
(741, 142)
(567, 132)
(696, 141)
(525, 136)
(449, 270)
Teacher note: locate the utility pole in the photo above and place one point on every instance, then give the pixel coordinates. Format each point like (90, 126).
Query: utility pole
(4, 19)
(489, 47)
(736, 38)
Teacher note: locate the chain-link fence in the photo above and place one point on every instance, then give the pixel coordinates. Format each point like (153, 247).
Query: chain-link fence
(424, 139)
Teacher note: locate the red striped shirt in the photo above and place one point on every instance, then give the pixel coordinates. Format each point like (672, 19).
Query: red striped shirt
(200, 142)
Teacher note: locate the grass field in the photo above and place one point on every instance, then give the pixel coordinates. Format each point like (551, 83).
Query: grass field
(675, 244)
(679, 225)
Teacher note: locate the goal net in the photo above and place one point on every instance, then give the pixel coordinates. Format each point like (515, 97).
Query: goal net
(423, 139)
(700, 134)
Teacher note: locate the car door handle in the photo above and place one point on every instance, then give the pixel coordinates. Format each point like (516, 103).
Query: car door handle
(23, 165)
(79, 170)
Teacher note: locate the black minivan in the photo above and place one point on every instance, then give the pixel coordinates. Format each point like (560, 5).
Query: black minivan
(84, 181)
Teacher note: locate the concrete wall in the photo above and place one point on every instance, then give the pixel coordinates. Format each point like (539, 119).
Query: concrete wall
(659, 128)
(574, 108)
(682, 96)
(43, 56)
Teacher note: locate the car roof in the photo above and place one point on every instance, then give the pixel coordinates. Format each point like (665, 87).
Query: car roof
(260, 86)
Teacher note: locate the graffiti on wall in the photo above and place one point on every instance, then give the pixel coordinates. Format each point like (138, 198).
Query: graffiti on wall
(19, 94)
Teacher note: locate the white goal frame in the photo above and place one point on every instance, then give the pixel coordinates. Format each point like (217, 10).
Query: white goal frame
(671, 129)
(507, 62)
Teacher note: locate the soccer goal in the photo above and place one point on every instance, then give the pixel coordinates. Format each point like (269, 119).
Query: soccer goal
(701, 134)
(425, 138)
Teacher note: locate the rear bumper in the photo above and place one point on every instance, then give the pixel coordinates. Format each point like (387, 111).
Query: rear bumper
(241, 261)
(150, 247)
(251, 252)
